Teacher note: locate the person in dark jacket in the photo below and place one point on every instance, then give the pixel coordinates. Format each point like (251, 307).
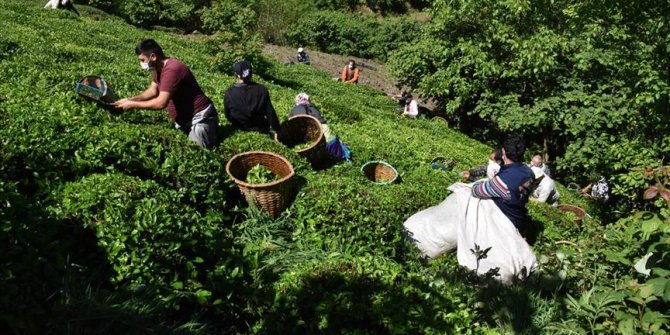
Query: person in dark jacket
(247, 104)
(512, 186)
(302, 56)
(304, 106)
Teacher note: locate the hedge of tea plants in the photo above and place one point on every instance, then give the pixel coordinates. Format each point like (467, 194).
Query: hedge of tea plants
(115, 222)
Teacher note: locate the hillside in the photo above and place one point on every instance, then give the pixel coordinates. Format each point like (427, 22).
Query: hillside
(117, 223)
(373, 74)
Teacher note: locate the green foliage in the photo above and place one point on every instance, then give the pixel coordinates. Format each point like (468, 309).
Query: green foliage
(152, 222)
(351, 34)
(363, 295)
(302, 146)
(276, 18)
(336, 4)
(228, 47)
(118, 223)
(384, 6)
(259, 174)
(585, 80)
(226, 15)
(636, 297)
(286, 22)
(377, 6)
(171, 13)
(8, 48)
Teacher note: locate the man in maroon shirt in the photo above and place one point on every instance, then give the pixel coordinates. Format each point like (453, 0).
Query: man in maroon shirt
(174, 86)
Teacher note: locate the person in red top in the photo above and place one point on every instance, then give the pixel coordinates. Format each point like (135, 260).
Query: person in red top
(174, 86)
(350, 73)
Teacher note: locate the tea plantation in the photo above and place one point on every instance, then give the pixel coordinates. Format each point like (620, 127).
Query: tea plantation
(116, 223)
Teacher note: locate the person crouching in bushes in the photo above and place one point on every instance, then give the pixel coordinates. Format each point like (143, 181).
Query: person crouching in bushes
(538, 161)
(545, 190)
(350, 73)
(303, 106)
(488, 170)
(411, 107)
(173, 86)
(247, 104)
(302, 57)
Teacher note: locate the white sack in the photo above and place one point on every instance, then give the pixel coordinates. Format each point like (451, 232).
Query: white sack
(464, 221)
(55, 4)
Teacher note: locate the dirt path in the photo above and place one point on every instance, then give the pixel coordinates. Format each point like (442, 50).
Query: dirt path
(372, 74)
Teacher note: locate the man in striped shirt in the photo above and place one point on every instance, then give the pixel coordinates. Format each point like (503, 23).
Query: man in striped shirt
(510, 188)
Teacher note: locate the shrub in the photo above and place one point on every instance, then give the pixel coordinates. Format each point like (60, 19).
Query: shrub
(364, 36)
(232, 16)
(589, 85)
(363, 295)
(127, 220)
(171, 13)
(150, 238)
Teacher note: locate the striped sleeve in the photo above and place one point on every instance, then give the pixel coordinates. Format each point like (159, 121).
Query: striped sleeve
(492, 188)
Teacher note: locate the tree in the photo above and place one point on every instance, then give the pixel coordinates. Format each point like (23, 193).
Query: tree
(585, 80)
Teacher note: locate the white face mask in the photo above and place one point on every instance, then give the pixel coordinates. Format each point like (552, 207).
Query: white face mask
(145, 66)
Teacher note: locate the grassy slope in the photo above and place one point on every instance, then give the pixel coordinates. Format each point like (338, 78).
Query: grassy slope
(69, 47)
(336, 210)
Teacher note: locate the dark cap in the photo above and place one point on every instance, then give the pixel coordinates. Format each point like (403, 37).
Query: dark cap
(243, 69)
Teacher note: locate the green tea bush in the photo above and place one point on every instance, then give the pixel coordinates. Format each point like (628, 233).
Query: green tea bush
(292, 22)
(586, 81)
(231, 16)
(138, 230)
(384, 6)
(276, 18)
(336, 4)
(150, 237)
(362, 295)
(377, 6)
(351, 34)
(171, 13)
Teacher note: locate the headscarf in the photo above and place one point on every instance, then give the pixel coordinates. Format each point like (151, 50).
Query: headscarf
(302, 99)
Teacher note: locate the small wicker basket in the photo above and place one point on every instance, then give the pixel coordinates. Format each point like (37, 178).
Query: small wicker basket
(442, 163)
(380, 172)
(272, 197)
(440, 120)
(302, 129)
(579, 212)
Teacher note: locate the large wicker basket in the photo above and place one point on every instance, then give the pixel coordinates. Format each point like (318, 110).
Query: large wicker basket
(272, 197)
(380, 172)
(440, 119)
(580, 213)
(302, 129)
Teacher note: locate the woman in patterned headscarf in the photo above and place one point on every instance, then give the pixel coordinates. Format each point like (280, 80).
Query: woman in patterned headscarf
(303, 106)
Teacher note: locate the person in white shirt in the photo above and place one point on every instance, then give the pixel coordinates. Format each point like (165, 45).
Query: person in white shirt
(488, 170)
(538, 160)
(546, 189)
(411, 107)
